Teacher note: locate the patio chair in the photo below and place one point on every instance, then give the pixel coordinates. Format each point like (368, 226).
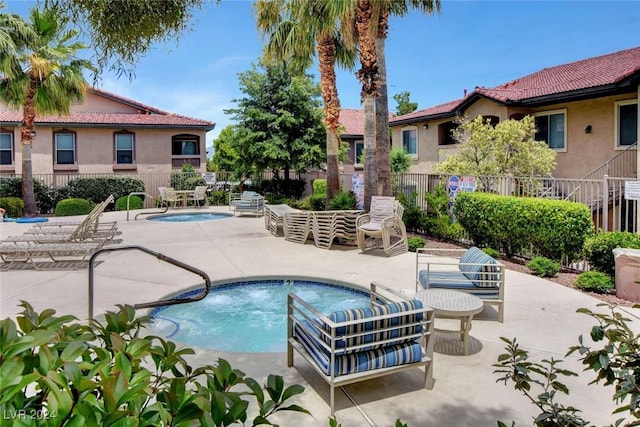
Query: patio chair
(170, 197)
(296, 226)
(199, 195)
(384, 222)
(91, 221)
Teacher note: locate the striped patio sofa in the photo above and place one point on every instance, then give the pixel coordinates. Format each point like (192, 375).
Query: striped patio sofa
(473, 272)
(348, 346)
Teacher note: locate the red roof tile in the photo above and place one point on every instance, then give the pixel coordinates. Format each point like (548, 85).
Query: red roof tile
(149, 116)
(353, 121)
(563, 80)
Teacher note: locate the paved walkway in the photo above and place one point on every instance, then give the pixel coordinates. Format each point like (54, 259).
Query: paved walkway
(541, 314)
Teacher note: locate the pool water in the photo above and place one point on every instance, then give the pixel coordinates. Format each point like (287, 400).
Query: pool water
(188, 217)
(248, 316)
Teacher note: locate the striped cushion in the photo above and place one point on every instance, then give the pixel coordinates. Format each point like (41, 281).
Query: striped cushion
(481, 275)
(391, 355)
(458, 282)
(379, 326)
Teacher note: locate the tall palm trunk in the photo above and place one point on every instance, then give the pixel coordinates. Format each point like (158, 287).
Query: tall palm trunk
(327, 60)
(368, 76)
(383, 157)
(29, 118)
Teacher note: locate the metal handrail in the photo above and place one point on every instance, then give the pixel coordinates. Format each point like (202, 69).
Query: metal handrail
(161, 257)
(140, 193)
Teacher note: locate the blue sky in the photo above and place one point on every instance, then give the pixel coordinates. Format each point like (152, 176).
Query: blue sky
(435, 58)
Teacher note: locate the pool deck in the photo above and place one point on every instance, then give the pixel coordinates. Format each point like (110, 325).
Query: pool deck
(541, 314)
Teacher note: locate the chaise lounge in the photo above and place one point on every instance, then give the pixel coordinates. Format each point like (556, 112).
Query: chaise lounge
(247, 202)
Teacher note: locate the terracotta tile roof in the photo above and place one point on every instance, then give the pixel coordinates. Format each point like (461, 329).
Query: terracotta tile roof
(587, 73)
(112, 119)
(148, 117)
(606, 72)
(353, 121)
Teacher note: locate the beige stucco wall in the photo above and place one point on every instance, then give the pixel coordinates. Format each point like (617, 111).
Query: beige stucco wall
(584, 152)
(95, 150)
(93, 103)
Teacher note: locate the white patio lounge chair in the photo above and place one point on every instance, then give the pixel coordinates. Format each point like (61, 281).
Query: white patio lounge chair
(384, 222)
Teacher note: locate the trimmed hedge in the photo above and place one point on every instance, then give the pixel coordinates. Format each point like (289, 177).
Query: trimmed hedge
(14, 206)
(98, 189)
(135, 202)
(598, 249)
(46, 197)
(554, 228)
(70, 207)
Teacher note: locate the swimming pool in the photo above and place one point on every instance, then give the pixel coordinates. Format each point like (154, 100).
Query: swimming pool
(249, 316)
(188, 217)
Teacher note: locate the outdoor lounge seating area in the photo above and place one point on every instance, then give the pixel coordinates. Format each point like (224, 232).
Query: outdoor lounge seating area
(474, 272)
(61, 241)
(247, 202)
(344, 347)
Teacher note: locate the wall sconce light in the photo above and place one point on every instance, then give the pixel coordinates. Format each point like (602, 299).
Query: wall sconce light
(425, 126)
(587, 129)
(33, 133)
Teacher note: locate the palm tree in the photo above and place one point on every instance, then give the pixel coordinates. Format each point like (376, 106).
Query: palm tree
(386, 8)
(42, 76)
(14, 32)
(368, 76)
(372, 18)
(298, 29)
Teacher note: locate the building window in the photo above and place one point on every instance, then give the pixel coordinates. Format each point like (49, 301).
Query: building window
(65, 148)
(124, 148)
(185, 145)
(358, 152)
(626, 123)
(410, 141)
(551, 128)
(492, 120)
(6, 148)
(445, 133)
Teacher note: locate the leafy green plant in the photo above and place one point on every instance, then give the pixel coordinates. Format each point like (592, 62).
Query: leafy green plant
(98, 189)
(594, 281)
(219, 198)
(400, 161)
(343, 200)
(69, 207)
(46, 197)
(598, 249)
(543, 267)
(491, 252)
(14, 206)
(616, 364)
(187, 178)
(414, 216)
(415, 242)
(109, 374)
(135, 202)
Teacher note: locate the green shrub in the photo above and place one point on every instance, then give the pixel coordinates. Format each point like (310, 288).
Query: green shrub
(491, 252)
(318, 202)
(595, 281)
(135, 202)
(555, 229)
(320, 186)
(187, 178)
(14, 206)
(415, 243)
(413, 217)
(69, 207)
(543, 267)
(598, 249)
(98, 189)
(282, 188)
(98, 374)
(219, 198)
(46, 197)
(442, 227)
(343, 200)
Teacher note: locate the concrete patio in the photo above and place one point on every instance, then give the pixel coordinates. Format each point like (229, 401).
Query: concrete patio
(541, 314)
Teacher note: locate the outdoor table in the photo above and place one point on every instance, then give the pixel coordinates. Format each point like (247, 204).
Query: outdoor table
(453, 304)
(184, 196)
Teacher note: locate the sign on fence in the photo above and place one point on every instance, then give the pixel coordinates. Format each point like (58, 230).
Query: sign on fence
(632, 190)
(209, 178)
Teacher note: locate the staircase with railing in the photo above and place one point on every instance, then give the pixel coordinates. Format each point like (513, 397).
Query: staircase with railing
(623, 164)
